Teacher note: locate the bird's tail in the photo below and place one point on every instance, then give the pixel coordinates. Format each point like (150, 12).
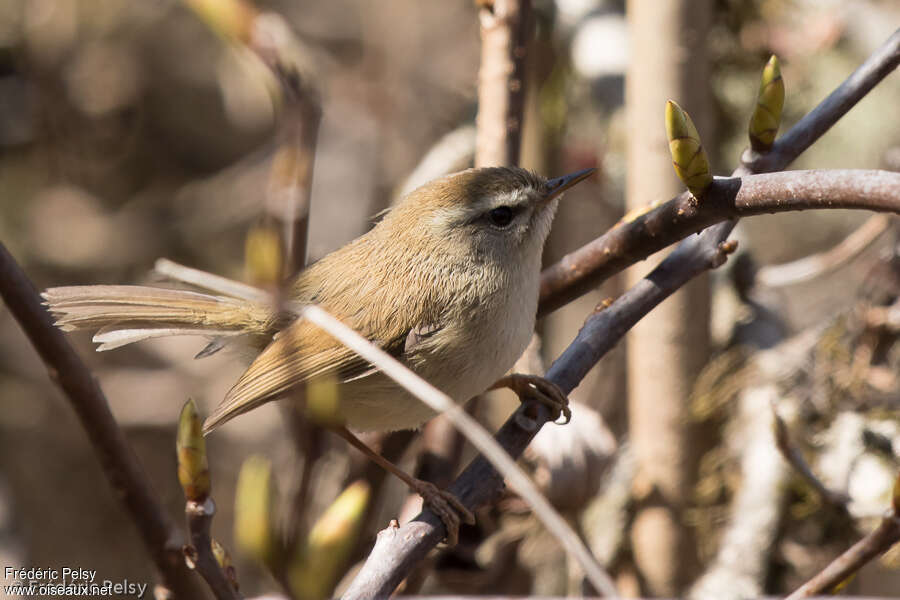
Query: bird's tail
(124, 314)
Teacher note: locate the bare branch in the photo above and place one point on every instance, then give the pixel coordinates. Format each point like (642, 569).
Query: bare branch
(816, 265)
(271, 39)
(586, 268)
(125, 474)
(290, 181)
(210, 282)
(858, 555)
(199, 553)
(792, 455)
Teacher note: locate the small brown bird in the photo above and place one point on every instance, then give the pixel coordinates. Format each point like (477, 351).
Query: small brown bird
(447, 282)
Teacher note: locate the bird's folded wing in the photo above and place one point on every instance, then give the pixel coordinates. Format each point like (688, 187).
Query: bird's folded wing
(298, 354)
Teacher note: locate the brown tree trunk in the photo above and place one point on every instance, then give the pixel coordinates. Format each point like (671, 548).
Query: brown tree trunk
(667, 348)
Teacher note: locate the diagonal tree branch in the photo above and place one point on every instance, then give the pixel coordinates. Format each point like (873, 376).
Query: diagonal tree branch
(125, 474)
(584, 269)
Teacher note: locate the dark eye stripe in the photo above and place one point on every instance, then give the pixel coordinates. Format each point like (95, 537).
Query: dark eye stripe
(501, 216)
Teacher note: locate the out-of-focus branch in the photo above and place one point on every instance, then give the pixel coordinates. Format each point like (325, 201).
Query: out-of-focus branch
(125, 474)
(506, 28)
(270, 38)
(453, 152)
(740, 567)
(288, 200)
(584, 269)
(792, 455)
(816, 265)
(858, 555)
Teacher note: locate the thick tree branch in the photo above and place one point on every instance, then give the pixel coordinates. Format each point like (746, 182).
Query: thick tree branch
(584, 269)
(128, 480)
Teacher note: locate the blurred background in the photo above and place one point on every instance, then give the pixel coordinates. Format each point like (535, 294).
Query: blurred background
(129, 132)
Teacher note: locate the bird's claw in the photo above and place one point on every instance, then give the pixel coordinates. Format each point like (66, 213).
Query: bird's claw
(446, 506)
(543, 390)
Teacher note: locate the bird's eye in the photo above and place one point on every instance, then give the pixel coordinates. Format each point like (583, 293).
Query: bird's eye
(501, 216)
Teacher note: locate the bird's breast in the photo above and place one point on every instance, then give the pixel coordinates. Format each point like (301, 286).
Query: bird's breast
(483, 340)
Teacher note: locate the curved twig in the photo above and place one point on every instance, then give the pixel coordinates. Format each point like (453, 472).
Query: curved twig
(876, 543)
(816, 265)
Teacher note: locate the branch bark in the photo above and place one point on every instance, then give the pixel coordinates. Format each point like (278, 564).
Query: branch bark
(875, 544)
(584, 269)
(200, 554)
(290, 181)
(125, 474)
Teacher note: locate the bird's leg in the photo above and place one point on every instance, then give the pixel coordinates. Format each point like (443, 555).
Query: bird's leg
(543, 390)
(444, 504)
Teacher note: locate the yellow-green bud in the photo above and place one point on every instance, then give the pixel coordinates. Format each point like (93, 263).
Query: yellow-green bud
(766, 116)
(190, 446)
(318, 566)
(688, 157)
(254, 524)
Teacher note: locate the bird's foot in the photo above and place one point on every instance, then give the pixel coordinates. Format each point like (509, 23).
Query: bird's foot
(446, 506)
(543, 390)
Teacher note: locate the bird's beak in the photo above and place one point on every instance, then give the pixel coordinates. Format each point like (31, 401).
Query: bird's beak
(557, 186)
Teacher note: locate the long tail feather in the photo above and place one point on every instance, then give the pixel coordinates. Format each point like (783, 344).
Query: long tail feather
(125, 314)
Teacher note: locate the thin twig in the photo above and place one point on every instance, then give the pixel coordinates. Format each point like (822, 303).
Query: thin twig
(210, 282)
(123, 471)
(817, 265)
(792, 455)
(858, 555)
(479, 438)
(290, 181)
(586, 268)
(199, 553)
(288, 200)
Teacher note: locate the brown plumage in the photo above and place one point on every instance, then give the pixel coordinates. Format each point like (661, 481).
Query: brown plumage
(443, 282)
